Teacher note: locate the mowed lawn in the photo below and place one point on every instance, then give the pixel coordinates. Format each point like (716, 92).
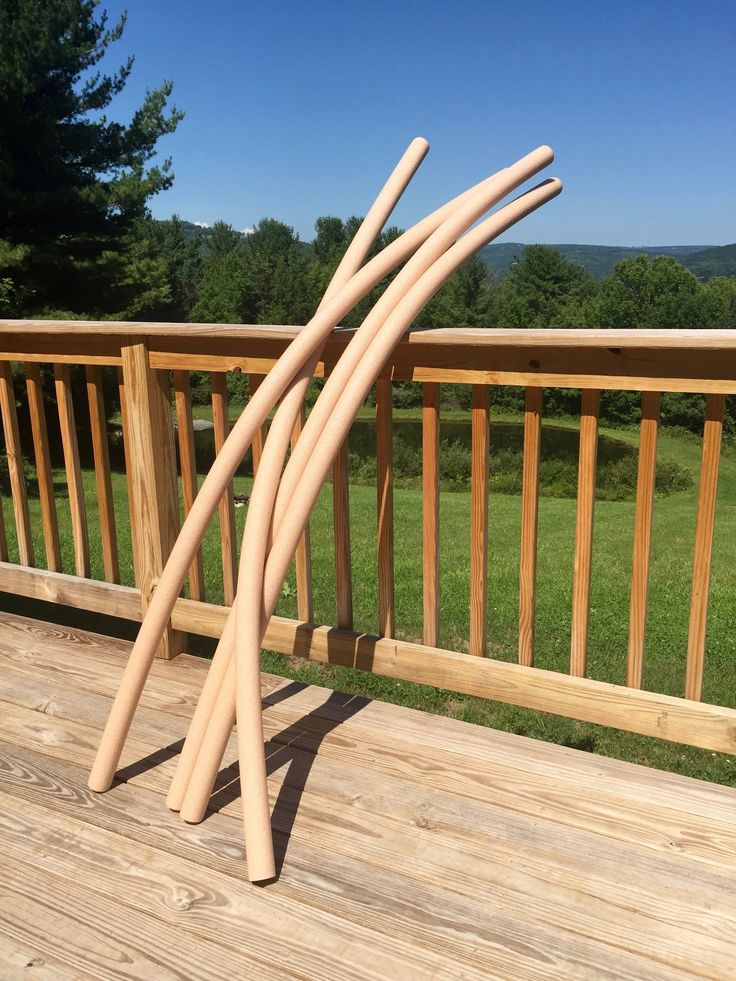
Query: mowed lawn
(671, 572)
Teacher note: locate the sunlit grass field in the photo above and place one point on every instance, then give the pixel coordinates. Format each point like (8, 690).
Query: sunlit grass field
(671, 571)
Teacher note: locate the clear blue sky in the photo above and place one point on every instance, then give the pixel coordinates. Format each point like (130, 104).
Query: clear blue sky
(299, 108)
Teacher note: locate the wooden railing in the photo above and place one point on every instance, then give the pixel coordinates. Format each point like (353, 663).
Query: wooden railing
(149, 358)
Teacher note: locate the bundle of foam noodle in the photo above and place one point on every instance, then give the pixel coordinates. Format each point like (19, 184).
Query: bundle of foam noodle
(283, 496)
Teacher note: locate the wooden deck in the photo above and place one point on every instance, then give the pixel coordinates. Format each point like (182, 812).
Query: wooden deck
(412, 846)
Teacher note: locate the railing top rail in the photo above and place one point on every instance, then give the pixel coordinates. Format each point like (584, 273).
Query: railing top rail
(481, 337)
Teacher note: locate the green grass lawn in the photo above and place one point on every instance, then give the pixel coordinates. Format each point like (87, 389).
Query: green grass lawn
(674, 523)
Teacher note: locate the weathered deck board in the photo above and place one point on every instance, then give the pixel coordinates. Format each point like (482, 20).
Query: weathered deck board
(412, 845)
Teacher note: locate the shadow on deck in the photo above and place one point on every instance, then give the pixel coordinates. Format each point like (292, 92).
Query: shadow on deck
(409, 846)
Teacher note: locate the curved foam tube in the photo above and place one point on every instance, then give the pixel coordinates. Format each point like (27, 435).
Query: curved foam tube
(314, 474)
(350, 263)
(250, 619)
(257, 825)
(440, 240)
(193, 809)
(309, 341)
(259, 511)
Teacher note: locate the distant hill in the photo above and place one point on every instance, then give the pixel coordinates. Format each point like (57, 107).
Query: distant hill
(705, 261)
(718, 261)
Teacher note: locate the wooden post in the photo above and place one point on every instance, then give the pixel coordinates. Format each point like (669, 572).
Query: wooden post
(589, 408)
(479, 450)
(431, 513)
(529, 522)
(645, 486)
(188, 465)
(153, 485)
(341, 531)
(221, 421)
(703, 557)
(385, 493)
(75, 484)
(42, 454)
(103, 477)
(15, 465)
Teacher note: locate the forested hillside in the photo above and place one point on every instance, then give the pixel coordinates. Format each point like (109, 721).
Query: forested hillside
(600, 260)
(77, 238)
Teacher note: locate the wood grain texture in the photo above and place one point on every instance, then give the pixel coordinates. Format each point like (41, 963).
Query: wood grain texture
(47, 500)
(152, 473)
(645, 486)
(655, 801)
(341, 533)
(129, 488)
(98, 425)
(475, 337)
(52, 654)
(303, 555)
(453, 849)
(385, 507)
(431, 514)
(255, 928)
(479, 450)
(633, 360)
(3, 535)
(703, 555)
(188, 468)
(254, 383)
(648, 713)
(556, 863)
(14, 454)
(77, 503)
(228, 545)
(529, 523)
(83, 594)
(93, 935)
(589, 408)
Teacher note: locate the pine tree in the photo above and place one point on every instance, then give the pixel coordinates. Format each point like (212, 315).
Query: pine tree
(73, 183)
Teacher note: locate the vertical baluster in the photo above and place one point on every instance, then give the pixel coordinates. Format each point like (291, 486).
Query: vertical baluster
(49, 520)
(188, 463)
(15, 465)
(254, 383)
(303, 557)
(431, 512)
(589, 408)
(129, 465)
(642, 537)
(341, 527)
(385, 504)
(70, 446)
(98, 424)
(529, 523)
(3, 537)
(704, 526)
(226, 507)
(479, 450)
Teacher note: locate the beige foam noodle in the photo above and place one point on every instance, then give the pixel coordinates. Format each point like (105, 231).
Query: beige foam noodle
(282, 500)
(308, 344)
(250, 634)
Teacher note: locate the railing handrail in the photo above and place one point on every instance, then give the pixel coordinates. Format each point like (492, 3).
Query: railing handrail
(665, 338)
(148, 356)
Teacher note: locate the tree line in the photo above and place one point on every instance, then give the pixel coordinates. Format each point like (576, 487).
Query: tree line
(77, 238)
